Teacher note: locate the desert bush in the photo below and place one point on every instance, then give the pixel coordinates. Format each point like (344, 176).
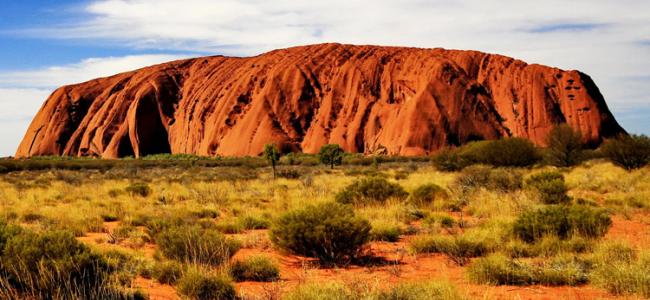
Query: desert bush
(427, 194)
(562, 221)
(328, 231)
(167, 272)
(288, 174)
(193, 244)
(205, 213)
(138, 189)
(256, 268)
(458, 249)
(628, 151)
(550, 186)
(499, 269)
(249, 222)
(450, 160)
(204, 285)
(434, 290)
(385, 232)
(369, 190)
(492, 179)
(509, 152)
(621, 270)
(51, 265)
(549, 246)
(565, 146)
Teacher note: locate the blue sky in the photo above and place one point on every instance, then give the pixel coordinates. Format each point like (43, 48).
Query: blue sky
(45, 44)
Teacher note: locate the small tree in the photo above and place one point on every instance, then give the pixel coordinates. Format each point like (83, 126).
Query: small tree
(331, 154)
(628, 151)
(272, 154)
(564, 146)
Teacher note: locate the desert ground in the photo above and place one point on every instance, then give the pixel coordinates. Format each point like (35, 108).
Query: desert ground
(442, 234)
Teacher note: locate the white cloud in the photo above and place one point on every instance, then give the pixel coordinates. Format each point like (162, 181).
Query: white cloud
(18, 108)
(55, 76)
(23, 92)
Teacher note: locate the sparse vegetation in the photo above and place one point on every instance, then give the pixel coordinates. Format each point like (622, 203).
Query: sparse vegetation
(181, 235)
(562, 221)
(628, 151)
(193, 244)
(370, 190)
(256, 268)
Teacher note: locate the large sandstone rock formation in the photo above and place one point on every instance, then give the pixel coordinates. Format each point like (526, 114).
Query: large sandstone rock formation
(405, 101)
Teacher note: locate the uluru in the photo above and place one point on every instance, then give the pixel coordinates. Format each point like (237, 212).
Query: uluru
(368, 99)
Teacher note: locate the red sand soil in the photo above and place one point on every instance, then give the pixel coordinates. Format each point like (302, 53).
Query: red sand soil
(368, 99)
(400, 267)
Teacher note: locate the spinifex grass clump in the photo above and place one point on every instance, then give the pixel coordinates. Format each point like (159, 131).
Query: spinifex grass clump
(205, 285)
(51, 265)
(370, 190)
(193, 244)
(427, 194)
(481, 176)
(563, 222)
(255, 268)
(329, 231)
(550, 186)
(499, 269)
(622, 270)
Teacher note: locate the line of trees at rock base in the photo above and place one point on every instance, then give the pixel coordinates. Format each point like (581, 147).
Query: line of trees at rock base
(565, 148)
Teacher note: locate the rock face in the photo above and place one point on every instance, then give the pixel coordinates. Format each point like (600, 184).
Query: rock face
(368, 99)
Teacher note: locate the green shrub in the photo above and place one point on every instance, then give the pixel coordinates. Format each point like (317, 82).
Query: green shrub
(427, 194)
(51, 265)
(385, 232)
(328, 231)
(369, 190)
(509, 152)
(252, 222)
(562, 221)
(138, 189)
(167, 272)
(450, 160)
(193, 244)
(628, 151)
(203, 285)
(550, 186)
(506, 152)
(499, 179)
(256, 268)
(457, 249)
(501, 270)
(564, 146)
